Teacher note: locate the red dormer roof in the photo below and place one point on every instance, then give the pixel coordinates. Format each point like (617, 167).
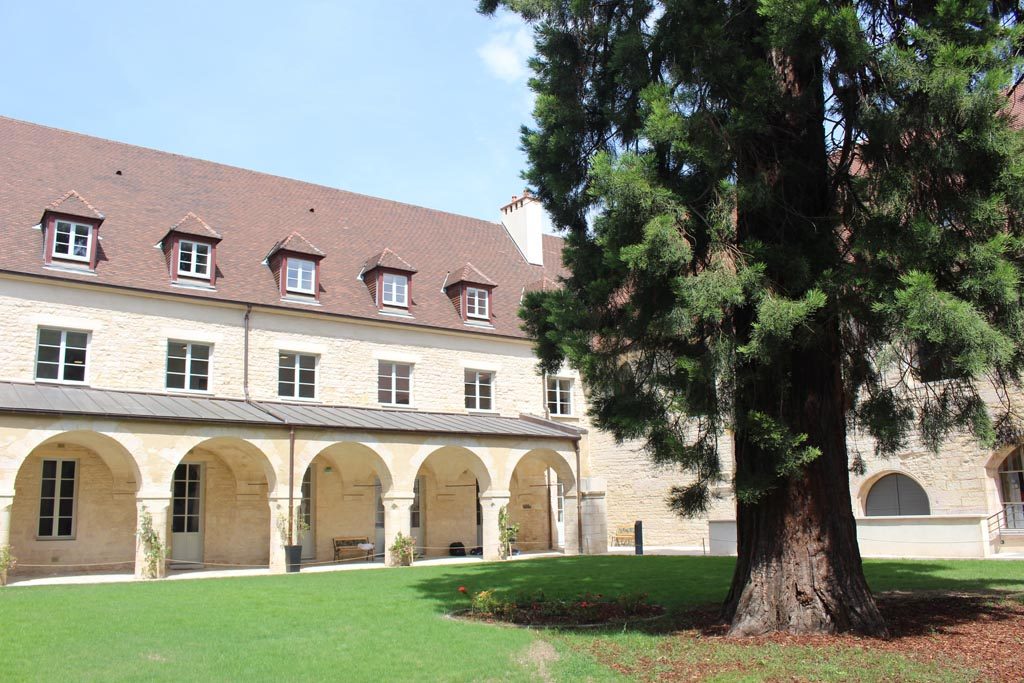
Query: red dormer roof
(470, 274)
(73, 204)
(388, 259)
(297, 244)
(195, 226)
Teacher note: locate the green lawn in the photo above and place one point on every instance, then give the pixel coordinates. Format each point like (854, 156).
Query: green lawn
(384, 624)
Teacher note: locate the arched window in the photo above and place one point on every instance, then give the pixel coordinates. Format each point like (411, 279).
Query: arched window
(896, 494)
(1011, 489)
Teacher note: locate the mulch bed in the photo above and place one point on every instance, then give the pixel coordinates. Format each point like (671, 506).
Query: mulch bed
(984, 632)
(596, 615)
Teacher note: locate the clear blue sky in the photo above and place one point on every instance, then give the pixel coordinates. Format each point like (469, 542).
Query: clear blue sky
(419, 102)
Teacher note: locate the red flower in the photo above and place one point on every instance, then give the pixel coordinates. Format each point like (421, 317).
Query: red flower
(583, 603)
(462, 589)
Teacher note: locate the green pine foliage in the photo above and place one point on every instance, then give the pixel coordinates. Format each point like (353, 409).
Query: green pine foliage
(649, 116)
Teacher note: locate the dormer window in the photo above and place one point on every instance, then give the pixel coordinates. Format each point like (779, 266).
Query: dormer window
(295, 263)
(477, 303)
(396, 290)
(190, 247)
(301, 275)
(193, 259)
(72, 241)
(70, 228)
(388, 278)
(470, 292)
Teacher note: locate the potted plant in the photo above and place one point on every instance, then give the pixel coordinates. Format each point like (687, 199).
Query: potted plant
(292, 551)
(507, 532)
(7, 563)
(402, 550)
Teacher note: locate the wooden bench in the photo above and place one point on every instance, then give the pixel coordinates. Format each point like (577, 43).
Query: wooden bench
(624, 536)
(347, 548)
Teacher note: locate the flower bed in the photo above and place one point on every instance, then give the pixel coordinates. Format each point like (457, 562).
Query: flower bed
(537, 609)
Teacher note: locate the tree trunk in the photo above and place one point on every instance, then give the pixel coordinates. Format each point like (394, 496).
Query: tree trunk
(799, 566)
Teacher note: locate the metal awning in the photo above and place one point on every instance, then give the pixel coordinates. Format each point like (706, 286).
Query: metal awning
(62, 399)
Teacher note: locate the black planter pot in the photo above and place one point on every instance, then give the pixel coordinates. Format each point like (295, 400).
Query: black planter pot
(293, 558)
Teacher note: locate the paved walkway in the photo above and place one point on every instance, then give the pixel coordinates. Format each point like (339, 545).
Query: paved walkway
(210, 573)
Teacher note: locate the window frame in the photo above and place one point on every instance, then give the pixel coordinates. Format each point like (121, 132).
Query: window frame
(473, 299)
(558, 393)
(394, 301)
(54, 254)
(62, 355)
(56, 516)
(475, 397)
(394, 377)
(299, 263)
(296, 370)
(188, 373)
(193, 273)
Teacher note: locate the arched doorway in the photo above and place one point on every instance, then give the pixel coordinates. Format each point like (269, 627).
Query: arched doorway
(74, 508)
(342, 493)
(896, 494)
(1011, 486)
(219, 512)
(446, 501)
(538, 486)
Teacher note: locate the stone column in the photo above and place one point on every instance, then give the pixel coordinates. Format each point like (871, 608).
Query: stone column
(396, 520)
(5, 529)
(278, 534)
(572, 544)
(158, 509)
(491, 504)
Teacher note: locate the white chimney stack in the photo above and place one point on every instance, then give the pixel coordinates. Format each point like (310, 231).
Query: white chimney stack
(524, 218)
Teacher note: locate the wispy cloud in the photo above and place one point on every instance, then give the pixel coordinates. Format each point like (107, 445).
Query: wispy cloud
(506, 52)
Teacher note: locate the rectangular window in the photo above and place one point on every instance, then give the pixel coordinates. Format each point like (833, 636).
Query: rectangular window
(72, 241)
(479, 390)
(394, 383)
(477, 303)
(559, 396)
(61, 355)
(188, 366)
(193, 259)
(296, 375)
(396, 290)
(301, 276)
(57, 499)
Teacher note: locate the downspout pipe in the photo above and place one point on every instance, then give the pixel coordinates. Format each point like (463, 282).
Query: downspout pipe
(291, 484)
(579, 497)
(245, 353)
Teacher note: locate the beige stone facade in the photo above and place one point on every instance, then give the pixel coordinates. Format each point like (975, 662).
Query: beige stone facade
(362, 483)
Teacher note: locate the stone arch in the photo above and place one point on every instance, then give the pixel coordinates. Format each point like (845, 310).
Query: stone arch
(346, 483)
(448, 482)
(456, 456)
(536, 502)
(894, 493)
(74, 507)
(552, 459)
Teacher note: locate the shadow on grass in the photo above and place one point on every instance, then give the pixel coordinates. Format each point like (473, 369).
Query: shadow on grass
(694, 587)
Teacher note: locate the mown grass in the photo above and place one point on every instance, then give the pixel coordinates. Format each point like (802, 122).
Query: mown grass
(384, 624)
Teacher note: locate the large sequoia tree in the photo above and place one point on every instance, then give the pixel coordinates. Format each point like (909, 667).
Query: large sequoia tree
(787, 220)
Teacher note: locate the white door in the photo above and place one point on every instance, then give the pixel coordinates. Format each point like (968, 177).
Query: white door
(378, 521)
(1011, 473)
(560, 515)
(417, 518)
(308, 539)
(187, 515)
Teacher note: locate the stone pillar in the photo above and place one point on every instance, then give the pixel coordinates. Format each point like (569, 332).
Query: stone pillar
(595, 519)
(278, 534)
(5, 519)
(158, 509)
(396, 520)
(491, 504)
(572, 544)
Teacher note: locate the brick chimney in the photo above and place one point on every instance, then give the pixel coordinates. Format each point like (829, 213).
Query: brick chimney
(525, 220)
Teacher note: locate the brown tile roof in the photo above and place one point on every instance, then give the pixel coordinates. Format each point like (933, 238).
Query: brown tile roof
(298, 244)
(251, 211)
(388, 259)
(192, 224)
(470, 273)
(74, 204)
